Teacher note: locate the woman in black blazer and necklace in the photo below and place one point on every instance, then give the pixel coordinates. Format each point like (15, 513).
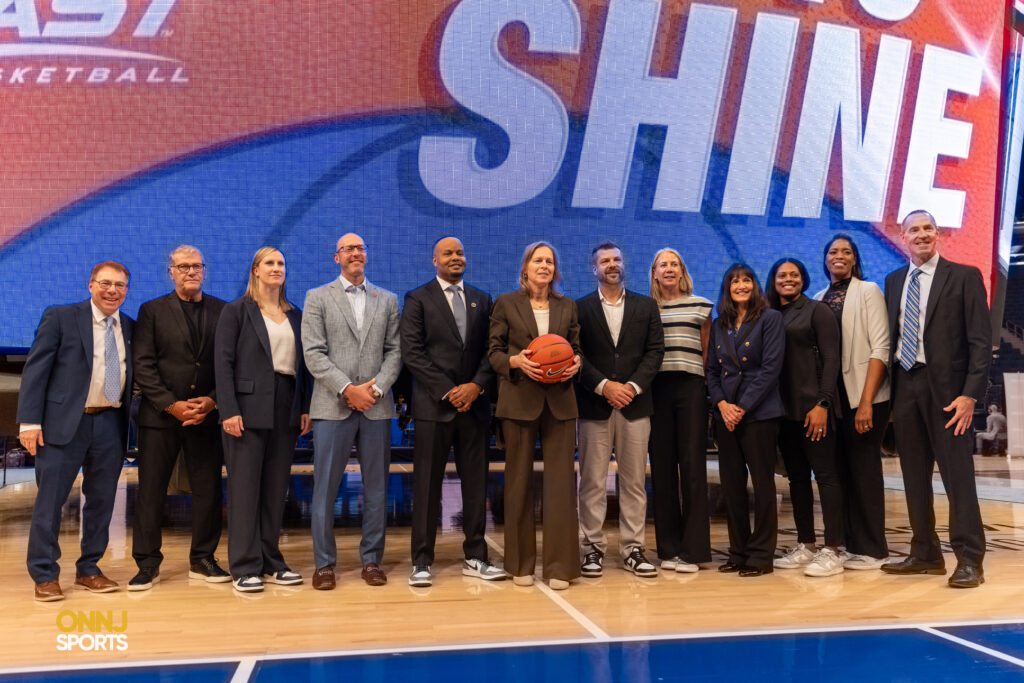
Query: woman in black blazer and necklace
(807, 431)
(745, 353)
(263, 392)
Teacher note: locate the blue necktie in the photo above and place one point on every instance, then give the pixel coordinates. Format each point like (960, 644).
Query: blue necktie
(459, 310)
(112, 377)
(911, 322)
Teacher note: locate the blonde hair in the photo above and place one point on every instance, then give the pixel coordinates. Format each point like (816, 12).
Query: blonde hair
(556, 277)
(685, 281)
(253, 290)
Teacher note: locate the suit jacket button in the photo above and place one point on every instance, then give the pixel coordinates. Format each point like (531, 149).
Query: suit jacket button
(726, 373)
(741, 372)
(744, 359)
(747, 343)
(197, 365)
(192, 386)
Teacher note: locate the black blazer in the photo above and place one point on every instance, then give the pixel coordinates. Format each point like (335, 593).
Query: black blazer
(811, 368)
(244, 367)
(743, 367)
(168, 366)
(957, 330)
(435, 354)
(635, 358)
(55, 380)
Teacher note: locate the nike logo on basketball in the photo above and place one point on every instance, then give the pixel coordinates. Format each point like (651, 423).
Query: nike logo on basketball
(552, 373)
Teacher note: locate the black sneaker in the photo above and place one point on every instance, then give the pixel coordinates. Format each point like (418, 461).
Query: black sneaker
(208, 570)
(592, 564)
(636, 562)
(145, 579)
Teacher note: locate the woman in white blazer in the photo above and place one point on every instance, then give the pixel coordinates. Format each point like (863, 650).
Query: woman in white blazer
(859, 308)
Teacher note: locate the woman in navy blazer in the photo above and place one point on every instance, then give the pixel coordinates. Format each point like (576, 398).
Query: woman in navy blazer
(263, 394)
(745, 353)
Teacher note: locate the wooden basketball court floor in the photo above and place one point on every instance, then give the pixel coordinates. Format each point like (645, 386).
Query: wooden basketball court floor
(703, 626)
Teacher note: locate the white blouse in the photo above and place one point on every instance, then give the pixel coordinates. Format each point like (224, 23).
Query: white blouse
(282, 345)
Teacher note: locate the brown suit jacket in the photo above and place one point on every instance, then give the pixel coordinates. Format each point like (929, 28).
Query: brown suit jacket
(513, 327)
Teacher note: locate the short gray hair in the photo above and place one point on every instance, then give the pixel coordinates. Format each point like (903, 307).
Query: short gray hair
(181, 250)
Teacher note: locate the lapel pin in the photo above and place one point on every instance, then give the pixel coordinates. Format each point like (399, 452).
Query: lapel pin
(472, 304)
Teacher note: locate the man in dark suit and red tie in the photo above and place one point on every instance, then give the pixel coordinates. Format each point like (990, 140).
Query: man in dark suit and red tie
(73, 414)
(939, 323)
(174, 370)
(444, 336)
(622, 343)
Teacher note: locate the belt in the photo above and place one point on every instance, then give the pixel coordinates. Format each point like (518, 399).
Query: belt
(93, 411)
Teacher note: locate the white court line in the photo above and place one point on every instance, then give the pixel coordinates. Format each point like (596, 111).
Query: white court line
(973, 646)
(580, 618)
(244, 671)
(518, 644)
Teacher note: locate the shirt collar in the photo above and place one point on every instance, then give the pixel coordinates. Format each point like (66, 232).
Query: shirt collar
(445, 284)
(620, 302)
(928, 267)
(346, 283)
(99, 316)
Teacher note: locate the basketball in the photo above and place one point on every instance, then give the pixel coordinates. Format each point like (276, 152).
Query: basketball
(554, 354)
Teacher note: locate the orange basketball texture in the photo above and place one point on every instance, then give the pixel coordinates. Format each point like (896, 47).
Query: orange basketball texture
(554, 354)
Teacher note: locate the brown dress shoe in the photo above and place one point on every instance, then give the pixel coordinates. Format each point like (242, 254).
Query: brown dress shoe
(96, 583)
(323, 579)
(49, 591)
(373, 575)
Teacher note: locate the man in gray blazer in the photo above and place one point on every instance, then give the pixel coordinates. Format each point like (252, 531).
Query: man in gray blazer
(351, 345)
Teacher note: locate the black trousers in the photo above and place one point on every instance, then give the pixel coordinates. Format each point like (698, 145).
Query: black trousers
(259, 464)
(430, 457)
(98, 449)
(750, 447)
(803, 456)
(922, 441)
(679, 470)
(860, 471)
(158, 452)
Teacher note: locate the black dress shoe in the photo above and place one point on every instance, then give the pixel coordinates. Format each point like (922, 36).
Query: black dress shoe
(912, 565)
(967, 576)
(729, 568)
(755, 571)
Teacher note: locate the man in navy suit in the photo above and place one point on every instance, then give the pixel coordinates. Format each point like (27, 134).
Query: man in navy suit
(444, 337)
(939, 324)
(622, 343)
(73, 414)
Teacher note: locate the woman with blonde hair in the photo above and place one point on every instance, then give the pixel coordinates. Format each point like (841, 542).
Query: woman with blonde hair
(527, 408)
(680, 421)
(263, 394)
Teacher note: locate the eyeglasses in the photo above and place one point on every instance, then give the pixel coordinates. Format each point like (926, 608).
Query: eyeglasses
(353, 249)
(186, 268)
(107, 284)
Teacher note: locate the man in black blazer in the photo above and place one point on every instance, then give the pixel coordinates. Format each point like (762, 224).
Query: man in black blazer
(174, 370)
(622, 345)
(939, 324)
(444, 335)
(73, 414)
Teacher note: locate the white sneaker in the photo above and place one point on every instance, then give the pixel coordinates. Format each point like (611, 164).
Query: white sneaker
(284, 577)
(482, 569)
(670, 563)
(248, 584)
(826, 562)
(421, 576)
(800, 556)
(684, 567)
(852, 561)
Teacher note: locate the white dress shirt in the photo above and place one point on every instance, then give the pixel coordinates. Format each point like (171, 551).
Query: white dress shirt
(613, 311)
(449, 295)
(356, 298)
(924, 281)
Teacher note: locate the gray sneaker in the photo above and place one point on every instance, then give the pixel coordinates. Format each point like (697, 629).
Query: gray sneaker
(482, 569)
(798, 557)
(826, 562)
(862, 562)
(421, 576)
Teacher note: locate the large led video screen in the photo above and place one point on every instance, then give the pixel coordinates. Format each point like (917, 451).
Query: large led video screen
(731, 130)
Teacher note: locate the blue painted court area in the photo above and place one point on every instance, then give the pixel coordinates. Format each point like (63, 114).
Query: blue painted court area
(899, 654)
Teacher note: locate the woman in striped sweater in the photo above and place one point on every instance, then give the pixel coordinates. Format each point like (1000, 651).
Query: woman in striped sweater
(678, 442)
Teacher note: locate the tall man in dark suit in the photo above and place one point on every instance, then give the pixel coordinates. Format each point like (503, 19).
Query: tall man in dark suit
(939, 323)
(73, 412)
(174, 369)
(622, 346)
(444, 333)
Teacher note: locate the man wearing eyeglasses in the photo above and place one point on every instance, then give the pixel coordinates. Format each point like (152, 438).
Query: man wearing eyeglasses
(174, 370)
(350, 340)
(73, 414)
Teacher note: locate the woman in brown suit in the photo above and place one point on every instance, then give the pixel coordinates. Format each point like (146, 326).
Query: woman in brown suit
(527, 408)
